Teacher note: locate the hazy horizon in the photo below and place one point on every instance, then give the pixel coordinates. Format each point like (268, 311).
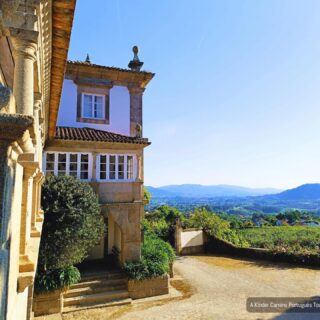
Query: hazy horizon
(235, 98)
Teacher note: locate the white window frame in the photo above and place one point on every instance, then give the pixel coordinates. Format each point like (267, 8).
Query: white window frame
(55, 171)
(103, 105)
(134, 165)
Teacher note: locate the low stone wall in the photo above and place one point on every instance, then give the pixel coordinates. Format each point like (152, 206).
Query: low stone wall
(48, 303)
(188, 241)
(192, 250)
(214, 245)
(149, 287)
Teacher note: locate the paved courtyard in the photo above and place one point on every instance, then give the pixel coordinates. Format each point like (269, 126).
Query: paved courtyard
(217, 288)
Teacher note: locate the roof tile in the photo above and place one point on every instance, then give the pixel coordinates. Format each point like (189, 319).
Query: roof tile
(89, 134)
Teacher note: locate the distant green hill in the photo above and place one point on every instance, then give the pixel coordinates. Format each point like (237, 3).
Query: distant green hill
(201, 191)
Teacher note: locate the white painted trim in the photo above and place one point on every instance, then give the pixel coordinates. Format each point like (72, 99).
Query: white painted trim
(103, 105)
(55, 171)
(116, 173)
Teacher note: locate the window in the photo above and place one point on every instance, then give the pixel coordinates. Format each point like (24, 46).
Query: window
(50, 164)
(62, 164)
(84, 167)
(66, 163)
(130, 167)
(103, 167)
(92, 106)
(112, 167)
(115, 167)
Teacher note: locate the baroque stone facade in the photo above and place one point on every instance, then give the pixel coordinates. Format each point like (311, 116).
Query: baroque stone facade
(27, 43)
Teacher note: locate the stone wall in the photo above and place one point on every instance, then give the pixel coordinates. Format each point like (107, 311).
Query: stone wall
(48, 303)
(188, 241)
(149, 287)
(219, 246)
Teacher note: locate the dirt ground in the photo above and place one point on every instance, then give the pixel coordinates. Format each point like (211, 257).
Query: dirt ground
(217, 288)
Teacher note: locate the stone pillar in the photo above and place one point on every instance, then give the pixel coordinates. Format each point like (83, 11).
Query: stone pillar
(24, 52)
(27, 185)
(36, 199)
(177, 237)
(136, 111)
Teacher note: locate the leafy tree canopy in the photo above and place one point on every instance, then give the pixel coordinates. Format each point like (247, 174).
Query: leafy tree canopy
(72, 222)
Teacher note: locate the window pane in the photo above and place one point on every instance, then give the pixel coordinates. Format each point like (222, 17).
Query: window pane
(84, 175)
(121, 167)
(130, 167)
(84, 167)
(73, 158)
(50, 157)
(112, 167)
(62, 165)
(50, 163)
(84, 158)
(87, 106)
(98, 107)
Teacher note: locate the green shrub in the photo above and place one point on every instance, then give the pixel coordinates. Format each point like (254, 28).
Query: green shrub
(56, 279)
(156, 256)
(72, 222)
(215, 226)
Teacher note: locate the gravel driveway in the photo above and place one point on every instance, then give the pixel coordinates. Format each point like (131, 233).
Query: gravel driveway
(217, 288)
(222, 286)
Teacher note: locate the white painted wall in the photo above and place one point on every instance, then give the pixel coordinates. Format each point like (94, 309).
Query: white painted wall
(191, 238)
(119, 109)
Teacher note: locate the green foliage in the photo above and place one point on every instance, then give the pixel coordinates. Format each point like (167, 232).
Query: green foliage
(72, 222)
(293, 239)
(162, 221)
(215, 226)
(156, 255)
(146, 196)
(53, 279)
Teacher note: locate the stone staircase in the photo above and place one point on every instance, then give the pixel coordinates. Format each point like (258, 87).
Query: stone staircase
(97, 290)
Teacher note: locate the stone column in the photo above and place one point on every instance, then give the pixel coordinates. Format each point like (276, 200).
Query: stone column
(24, 52)
(27, 185)
(136, 111)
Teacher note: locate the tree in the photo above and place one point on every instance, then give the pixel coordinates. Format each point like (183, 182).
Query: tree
(72, 224)
(146, 196)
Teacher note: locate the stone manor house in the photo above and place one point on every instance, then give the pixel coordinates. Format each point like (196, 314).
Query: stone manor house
(99, 140)
(59, 117)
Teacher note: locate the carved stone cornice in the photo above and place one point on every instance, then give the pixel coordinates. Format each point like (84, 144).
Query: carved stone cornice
(19, 14)
(14, 126)
(136, 90)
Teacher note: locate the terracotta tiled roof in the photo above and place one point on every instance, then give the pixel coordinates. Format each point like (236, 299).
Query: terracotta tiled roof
(84, 63)
(89, 134)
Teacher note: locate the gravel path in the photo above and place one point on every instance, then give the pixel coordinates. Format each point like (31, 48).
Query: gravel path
(222, 286)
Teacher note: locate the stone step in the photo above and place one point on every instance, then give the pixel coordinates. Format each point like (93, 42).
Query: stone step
(96, 298)
(102, 276)
(99, 283)
(120, 302)
(80, 291)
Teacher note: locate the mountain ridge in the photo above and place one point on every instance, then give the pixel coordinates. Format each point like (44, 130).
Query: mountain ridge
(198, 190)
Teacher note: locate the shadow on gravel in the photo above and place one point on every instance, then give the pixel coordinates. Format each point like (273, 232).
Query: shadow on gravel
(236, 262)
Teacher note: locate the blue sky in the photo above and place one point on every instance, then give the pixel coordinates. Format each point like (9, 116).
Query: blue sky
(236, 96)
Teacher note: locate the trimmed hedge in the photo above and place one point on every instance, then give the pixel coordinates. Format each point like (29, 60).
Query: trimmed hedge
(156, 256)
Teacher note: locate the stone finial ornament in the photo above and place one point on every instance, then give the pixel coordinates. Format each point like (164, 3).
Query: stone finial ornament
(135, 64)
(88, 59)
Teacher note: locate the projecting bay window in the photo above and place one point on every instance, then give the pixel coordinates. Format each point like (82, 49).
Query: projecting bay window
(78, 165)
(111, 167)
